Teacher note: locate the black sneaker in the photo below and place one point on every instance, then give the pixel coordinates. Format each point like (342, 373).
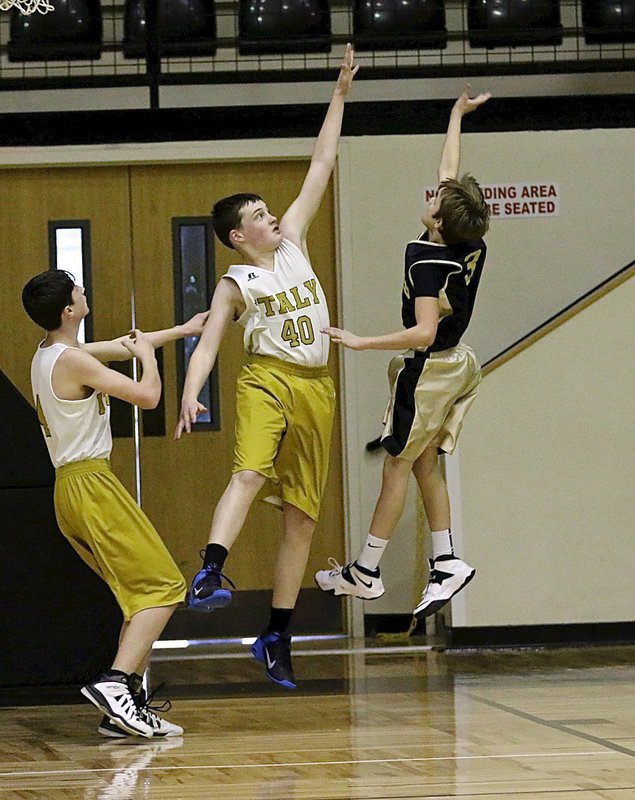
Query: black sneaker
(274, 651)
(207, 593)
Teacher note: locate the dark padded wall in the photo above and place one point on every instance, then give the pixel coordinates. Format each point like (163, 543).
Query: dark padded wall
(59, 622)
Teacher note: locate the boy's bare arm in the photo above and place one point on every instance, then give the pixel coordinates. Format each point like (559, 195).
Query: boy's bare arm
(77, 368)
(116, 350)
(451, 154)
(227, 305)
(418, 337)
(295, 223)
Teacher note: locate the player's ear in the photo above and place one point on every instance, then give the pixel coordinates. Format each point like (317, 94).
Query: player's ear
(235, 236)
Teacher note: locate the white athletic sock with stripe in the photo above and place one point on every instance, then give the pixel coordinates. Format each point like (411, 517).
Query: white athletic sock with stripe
(372, 552)
(442, 543)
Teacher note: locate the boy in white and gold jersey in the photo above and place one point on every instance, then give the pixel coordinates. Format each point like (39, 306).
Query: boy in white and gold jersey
(71, 389)
(285, 398)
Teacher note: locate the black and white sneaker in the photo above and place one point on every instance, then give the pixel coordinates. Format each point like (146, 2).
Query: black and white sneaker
(112, 695)
(274, 651)
(161, 728)
(448, 575)
(111, 730)
(351, 579)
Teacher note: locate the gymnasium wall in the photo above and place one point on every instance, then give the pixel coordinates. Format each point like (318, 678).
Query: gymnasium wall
(545, 475)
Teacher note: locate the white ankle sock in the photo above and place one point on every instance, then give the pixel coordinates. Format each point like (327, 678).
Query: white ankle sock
(442, 543)
(372, 552)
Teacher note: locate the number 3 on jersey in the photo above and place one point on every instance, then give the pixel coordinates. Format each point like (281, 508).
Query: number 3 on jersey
(471, 261)
(298, 332)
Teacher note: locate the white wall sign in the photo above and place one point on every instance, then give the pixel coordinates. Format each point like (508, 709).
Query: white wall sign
(517, 199)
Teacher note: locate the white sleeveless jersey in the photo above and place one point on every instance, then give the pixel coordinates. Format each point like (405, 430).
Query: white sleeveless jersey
(74, 430)
(286, 308)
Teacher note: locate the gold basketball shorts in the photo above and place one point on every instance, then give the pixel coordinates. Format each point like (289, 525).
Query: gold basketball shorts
(284, 420)
(114, 537)
(430, 394)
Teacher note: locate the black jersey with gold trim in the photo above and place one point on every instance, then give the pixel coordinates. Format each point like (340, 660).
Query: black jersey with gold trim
(449, 272)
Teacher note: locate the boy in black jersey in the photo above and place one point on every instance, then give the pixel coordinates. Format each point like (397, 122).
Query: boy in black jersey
(433, 384)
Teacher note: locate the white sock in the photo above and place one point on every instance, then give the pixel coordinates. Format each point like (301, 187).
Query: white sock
(372, 552)
(442, 543)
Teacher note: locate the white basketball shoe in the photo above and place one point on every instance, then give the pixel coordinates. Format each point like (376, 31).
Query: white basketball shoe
(448, 575)
(113, 697)
(351, 579)
(161, 727)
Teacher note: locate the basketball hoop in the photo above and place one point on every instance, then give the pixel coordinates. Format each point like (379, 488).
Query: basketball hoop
(27, 6)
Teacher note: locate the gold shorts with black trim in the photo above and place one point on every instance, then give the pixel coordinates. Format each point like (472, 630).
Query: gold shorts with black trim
(114, 537)
(430, 394)
(284, 420)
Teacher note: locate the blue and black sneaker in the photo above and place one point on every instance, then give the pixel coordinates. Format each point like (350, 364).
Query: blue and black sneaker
(274, 651)
(207, 593)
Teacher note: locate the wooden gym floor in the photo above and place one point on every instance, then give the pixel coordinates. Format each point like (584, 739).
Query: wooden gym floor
(371, 724)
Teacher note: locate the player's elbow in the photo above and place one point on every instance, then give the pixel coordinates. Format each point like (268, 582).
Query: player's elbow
(146, 405)
(149, 399)
(425, 336)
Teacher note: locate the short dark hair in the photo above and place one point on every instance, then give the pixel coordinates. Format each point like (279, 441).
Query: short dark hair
(46, 295)
(226, 214)
(463, 211)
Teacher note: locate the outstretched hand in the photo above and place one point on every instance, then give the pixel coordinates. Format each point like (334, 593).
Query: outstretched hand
(465, 104)
(348, 70)
(345, 338)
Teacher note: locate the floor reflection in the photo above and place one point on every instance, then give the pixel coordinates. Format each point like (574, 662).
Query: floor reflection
(129, 778)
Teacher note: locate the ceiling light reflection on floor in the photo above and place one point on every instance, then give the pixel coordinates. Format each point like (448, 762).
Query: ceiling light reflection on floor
(182, 644)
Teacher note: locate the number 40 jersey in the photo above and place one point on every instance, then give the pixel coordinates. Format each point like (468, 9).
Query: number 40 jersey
(286, 308)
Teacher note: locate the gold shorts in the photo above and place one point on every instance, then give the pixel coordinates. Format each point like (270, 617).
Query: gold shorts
(284, 419)
(430, 394)
(114, 537)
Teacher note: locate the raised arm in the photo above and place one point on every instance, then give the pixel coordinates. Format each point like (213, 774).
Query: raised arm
(227, 304)
(451, 155)
(295, 223)
(116, 350)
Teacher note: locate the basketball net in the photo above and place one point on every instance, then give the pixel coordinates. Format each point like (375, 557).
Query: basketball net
(27, 6)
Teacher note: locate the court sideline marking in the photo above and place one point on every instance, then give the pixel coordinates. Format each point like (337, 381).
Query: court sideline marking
(343, 762)
(558, 726)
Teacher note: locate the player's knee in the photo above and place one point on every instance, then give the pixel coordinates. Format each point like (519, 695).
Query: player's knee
(248, 479)
(394, 468)
(298, 525)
